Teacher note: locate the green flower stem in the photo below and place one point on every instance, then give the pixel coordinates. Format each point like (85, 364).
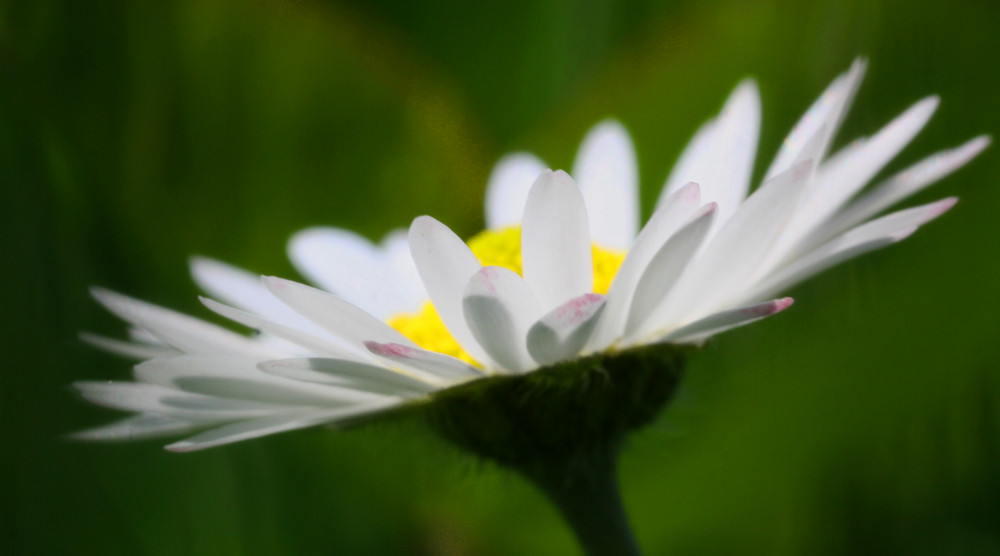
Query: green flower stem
(586, 492)
(562, 427)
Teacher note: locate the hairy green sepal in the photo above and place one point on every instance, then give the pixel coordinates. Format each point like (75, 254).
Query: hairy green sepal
(563, 411)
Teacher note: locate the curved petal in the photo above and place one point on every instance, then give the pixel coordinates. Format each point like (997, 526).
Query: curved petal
(342, 319)
(732, 255)
(876, 234)
(900, 186)
(139, 427)
(668, 218)
(846, 174)
(440, 365)
(239, 379)
(350, 374)
(605, 169)
(255, 428)
(351, 267)
(500, 307)
(131, 350)
(827, 112)
(662, 273)
(720, 157)
(711, 325)
(446, 264)
(564, 331)
(185, 333)
(296, 337)
(555, 240)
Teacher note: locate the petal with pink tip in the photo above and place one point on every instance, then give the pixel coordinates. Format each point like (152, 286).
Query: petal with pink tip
(438, 364)
(900, 186)
(720, 156)
(348, 374)
(711, 325)
(564, 331)
(662, 273)
(669, 217)
(876, 234)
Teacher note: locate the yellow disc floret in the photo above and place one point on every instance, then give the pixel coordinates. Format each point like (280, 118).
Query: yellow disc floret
(493, 248)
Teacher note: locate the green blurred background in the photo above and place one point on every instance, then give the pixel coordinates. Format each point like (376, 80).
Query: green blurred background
(133, 133)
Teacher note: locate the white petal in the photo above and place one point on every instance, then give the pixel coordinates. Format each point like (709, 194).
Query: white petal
(438, 364)
(445, 264)
(303, 340)
(876, 234)
(238, 378)
(136, 428)
(155, 398)
(564, 331)
(900, 186)
(264, 426)
(605, 169)
(500, 307)
(827, 112)
(344, 320)
(185, 333)
(555, 241)
(130, 350)
(846, 174)
(507, 188)
(662, 273)
(242, 289)
(351, 267)
(668, 218)
(720, 157)
(141, 336)
(720, 272)
(396, 246)
(370, 378)
(701, 330)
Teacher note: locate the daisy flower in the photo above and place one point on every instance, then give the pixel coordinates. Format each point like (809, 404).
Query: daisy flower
(563, 279)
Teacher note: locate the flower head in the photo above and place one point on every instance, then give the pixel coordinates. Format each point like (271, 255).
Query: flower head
(562, 275)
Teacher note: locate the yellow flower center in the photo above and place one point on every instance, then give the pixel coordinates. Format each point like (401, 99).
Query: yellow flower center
(500, 247)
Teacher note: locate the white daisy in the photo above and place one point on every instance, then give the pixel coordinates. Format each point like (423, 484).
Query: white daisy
(562, 272)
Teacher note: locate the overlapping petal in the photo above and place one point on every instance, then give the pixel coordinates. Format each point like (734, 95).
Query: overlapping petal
(713, 257)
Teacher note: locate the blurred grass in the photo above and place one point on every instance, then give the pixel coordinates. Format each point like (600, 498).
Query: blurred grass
(134, 134)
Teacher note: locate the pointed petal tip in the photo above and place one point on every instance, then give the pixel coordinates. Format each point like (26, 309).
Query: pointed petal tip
(690, 192)
(927, 105)
(783, 303)
(100, 293)
(978, 144)
(943, 206)
(768, 308)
